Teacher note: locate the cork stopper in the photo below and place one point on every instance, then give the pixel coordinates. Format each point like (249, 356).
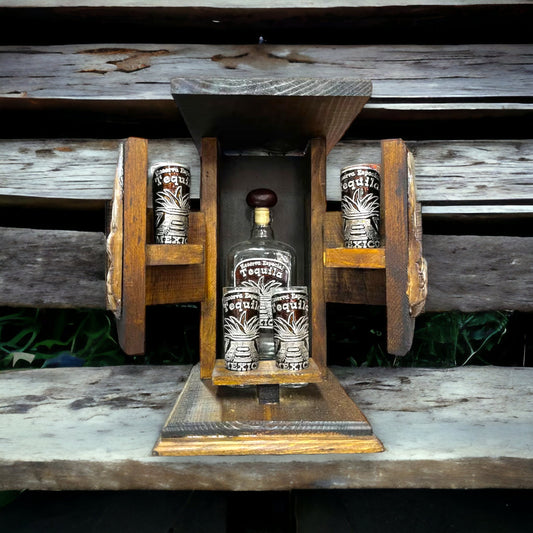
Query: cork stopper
(261, 200)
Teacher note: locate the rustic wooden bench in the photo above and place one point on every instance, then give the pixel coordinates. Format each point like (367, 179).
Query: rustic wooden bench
(463, 108)
(94, 429)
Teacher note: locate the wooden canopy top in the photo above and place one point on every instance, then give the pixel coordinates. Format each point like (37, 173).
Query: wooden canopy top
(276, 114)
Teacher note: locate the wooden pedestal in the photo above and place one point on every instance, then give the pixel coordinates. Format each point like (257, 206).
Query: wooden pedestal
(315, 419)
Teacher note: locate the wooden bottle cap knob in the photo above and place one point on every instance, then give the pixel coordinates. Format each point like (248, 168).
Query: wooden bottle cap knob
(261, 198)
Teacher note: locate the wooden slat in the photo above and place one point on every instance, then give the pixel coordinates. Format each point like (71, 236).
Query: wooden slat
(395, 188)
(50, 268)
(185, 254)
(131, 324)
(209, 206)
(72, 171)
(468, 427)
(353, 258)
(317, 210)
(42, 268)
(136, 73)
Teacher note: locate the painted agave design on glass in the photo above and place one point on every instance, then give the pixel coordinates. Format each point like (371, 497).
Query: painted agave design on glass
(361, 216)
(265, 291)
(240, 351)
(172, 212)
(292, 334)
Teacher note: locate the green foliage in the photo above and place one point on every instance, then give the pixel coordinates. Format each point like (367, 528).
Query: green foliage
(38, 338)
(57, 337)
(358, 337)
(8, 496)
(456, 338)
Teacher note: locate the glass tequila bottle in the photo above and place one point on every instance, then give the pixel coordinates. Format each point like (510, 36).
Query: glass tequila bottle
(262, 262)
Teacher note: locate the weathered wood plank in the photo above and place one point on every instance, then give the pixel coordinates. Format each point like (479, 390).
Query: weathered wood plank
(456, 263)
(41, 268)
(469, 427)
(50, 268)
(447, 172)
(142, 72)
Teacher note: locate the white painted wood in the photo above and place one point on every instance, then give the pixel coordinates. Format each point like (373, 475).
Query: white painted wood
(94, 428)
(453, 172)
(141, 72)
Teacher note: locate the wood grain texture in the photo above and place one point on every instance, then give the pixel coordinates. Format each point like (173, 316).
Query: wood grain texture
(315, 444)
(448, 172)
(468, 427)
(317, 210)
(290, 110)
(352, 258)
(395, 209)
(319, 418)
(43, 268)
(468, 273)
(185, 254)
(445, 73)
(131, 325)
(209, 206)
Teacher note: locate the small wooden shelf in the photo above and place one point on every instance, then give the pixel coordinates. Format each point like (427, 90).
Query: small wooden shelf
(266, 374)
(167, 254)
(373, 258)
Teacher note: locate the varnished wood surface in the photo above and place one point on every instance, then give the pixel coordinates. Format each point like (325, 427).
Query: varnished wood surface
(315, 229)
(468, 427)
(394, 195)
(185, 254)
(131, 324)
(210, 153)
(310, 444)
(373, 258)
(448, 172)
(316, 419)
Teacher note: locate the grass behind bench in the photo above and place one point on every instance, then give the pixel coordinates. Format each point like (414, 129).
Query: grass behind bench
(39, 338)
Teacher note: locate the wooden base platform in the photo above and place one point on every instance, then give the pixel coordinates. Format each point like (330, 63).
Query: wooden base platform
(317, 418)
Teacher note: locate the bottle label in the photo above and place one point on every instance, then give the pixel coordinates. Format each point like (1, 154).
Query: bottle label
(266, 275)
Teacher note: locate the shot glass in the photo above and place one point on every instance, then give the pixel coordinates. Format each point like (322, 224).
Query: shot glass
(290, 312)
(171, 186)
(240, 310)
(360, 185)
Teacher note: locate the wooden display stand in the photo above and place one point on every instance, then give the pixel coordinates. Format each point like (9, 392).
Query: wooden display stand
(296, 122)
